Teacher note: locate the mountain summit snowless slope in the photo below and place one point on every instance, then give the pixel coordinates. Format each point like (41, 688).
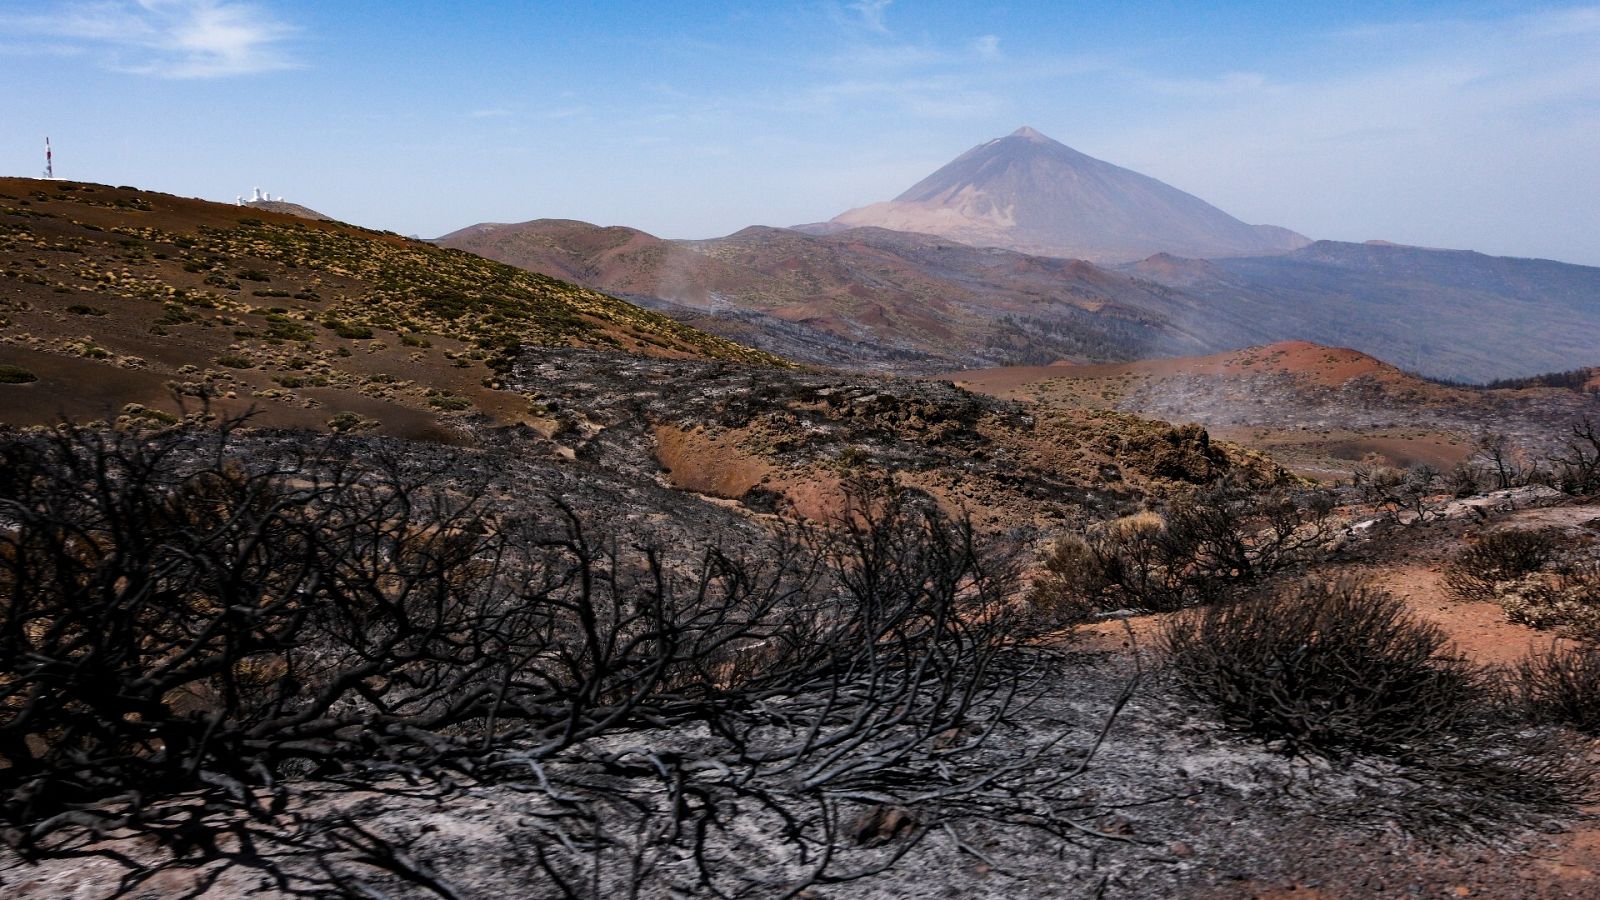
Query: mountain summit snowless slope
(1029, 193)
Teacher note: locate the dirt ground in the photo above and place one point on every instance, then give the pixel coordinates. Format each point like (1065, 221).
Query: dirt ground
(1564, 863)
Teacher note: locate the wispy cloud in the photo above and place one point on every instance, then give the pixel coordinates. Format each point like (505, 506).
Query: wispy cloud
(166, 38)
(931, 97)
(874, 14)
(1454, 132)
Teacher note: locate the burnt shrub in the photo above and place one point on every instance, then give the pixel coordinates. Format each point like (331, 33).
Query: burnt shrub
(196, 636)
(1205, 544)
(1324, 669)
(1577, 468)
(1068, 590)
(1501, 556)
(1562, 686)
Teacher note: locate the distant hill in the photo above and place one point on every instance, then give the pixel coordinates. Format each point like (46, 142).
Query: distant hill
(1445, 313)
(864, 297)
(870, 298)
(1029, 193)
(112, 298)
(1324, 411)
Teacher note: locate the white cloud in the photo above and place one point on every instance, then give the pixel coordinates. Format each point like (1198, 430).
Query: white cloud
(874, 14)
(988, 46)
(1468, 133)
(167, 38)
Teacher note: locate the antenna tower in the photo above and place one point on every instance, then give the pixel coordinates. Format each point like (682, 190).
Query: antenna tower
(49, 161)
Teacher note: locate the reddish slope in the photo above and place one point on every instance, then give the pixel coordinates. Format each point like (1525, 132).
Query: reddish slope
(1321, 410)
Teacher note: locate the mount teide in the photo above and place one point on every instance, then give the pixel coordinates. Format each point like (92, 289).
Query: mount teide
(1029, 193)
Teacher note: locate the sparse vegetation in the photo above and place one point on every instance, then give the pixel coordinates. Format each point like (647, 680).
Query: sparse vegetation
(349, 330)
(641, 625)
(1542, 577)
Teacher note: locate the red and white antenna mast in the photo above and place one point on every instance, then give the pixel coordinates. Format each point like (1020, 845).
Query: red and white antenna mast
(49, 161)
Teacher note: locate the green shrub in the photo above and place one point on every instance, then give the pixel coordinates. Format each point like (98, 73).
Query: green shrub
(16, 375)
(236, 361)
(79, 309)
(448, 402)
(349, 330)
(1324, 669)
(282, 328)
(347, 422)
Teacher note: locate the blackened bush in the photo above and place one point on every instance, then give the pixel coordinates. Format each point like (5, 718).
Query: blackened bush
(1323, 669)
(1208, 542)
(1577, 469)
(1563, 687)
(1067, 592)
(1501, 556)
(190, 630)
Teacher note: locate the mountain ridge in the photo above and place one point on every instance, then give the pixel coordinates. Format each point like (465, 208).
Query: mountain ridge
(1455, 314)
(906, 301)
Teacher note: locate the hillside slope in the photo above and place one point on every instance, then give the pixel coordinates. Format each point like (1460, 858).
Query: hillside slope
(112, 296)
(866, 297)
(1324, 411)
(1446, 313)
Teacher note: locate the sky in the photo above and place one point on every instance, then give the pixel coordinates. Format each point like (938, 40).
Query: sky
(1470, 125)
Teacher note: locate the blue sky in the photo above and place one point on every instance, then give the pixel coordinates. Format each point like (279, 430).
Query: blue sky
(1472, 124)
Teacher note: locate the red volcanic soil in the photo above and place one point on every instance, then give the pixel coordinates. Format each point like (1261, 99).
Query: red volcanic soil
(1329, 366)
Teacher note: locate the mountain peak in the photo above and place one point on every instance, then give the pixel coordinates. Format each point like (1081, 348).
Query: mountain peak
(1029, 193)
